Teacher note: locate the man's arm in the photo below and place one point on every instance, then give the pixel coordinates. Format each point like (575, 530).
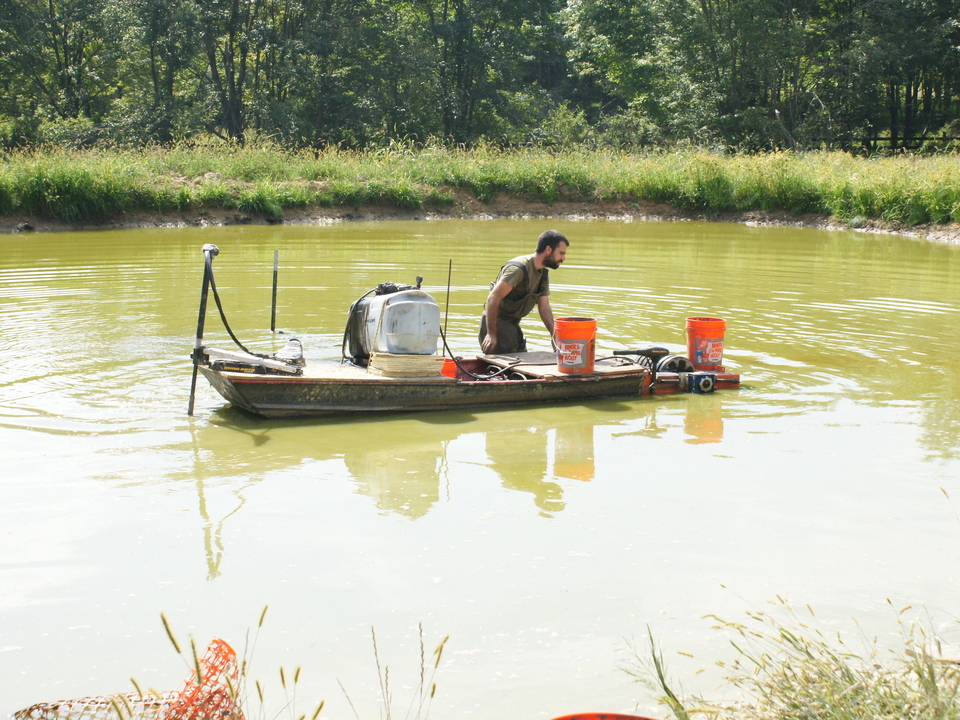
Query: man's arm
(498, 293)
(546, 314)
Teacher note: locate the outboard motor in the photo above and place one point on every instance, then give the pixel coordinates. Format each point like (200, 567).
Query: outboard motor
(653, 353)
(398, 319)
(676, 364)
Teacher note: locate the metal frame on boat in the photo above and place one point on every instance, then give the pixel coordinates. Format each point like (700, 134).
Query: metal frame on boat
(284, 385)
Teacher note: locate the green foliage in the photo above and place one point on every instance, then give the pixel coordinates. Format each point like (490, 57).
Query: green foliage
(611, 42)
(263, 199)
(566, 126)
(632, 128)
(53, 186)
(7, 201)
(76, 132)
(263, 179)
(57, 58)
(743, 74)
(17, 132)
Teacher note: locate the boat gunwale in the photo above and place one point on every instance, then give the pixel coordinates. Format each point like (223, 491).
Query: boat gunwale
(433, 396)
(248, 378)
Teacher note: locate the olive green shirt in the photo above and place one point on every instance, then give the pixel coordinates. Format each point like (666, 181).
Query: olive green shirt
(528, 288)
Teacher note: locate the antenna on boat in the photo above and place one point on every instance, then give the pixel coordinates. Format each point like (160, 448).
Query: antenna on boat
(446, 309)
(210, 251)
(273, 308)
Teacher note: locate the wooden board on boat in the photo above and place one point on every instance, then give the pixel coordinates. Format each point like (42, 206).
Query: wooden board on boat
(543, 364)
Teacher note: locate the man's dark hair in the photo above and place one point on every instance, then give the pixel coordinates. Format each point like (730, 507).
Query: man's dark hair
(550, 239)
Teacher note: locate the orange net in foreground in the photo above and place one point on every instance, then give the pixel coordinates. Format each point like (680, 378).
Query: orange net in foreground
(212, 696)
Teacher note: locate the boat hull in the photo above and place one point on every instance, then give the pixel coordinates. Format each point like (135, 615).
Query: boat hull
(276, 396)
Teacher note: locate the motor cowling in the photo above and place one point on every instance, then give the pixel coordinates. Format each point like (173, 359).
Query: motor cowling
(399, 319)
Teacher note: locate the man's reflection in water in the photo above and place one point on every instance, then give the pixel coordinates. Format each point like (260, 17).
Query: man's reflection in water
(519, 457)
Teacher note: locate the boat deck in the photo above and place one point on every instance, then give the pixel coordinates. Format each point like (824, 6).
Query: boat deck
(534, 365)
(544, 364)
(335, 370)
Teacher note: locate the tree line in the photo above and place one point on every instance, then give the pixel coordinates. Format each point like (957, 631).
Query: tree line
(751, 74)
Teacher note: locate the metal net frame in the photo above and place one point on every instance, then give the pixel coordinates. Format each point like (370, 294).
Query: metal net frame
(100, 707)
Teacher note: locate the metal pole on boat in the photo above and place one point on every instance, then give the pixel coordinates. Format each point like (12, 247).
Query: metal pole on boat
(273, 310)
(209, 253)
(446, 311)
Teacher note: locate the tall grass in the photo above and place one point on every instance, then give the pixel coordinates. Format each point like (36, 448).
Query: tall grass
(248, 699)
(249, 696)
(426, 689)
(83, 185)
(791, 670)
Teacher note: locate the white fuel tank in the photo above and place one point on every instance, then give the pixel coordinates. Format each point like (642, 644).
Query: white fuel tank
(401, 323)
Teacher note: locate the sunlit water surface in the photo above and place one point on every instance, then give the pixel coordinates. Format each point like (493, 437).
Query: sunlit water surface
(540, 539)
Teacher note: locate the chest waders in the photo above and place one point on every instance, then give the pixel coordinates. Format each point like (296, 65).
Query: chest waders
(516, 305)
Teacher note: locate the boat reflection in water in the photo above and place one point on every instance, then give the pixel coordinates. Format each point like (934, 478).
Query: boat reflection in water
(406, 465)
(521, 459)
(401, 477)
(406, 477)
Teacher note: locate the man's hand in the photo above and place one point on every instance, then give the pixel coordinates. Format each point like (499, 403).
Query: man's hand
(489, 345)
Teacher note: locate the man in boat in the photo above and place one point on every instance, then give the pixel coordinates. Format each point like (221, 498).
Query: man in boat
(522, 284)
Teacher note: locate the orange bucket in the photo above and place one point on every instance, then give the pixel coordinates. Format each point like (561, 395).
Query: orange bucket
(449, 368)
(705, 342)
(576, 340)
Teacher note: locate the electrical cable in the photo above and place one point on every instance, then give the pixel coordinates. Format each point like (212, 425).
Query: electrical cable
(346, 330)
(223, 317)
(475, 376)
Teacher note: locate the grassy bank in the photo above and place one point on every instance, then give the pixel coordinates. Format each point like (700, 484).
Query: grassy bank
(785, 668)
(78, 186)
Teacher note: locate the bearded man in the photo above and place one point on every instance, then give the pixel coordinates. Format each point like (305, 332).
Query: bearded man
(522, 284)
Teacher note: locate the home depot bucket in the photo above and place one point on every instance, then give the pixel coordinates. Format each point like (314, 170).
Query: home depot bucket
(576, 340)
(705, 342)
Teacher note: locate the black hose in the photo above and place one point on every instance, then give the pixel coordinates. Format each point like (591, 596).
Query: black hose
(208, 252)
(513, 365)
(346, 330)
(223, 318)
(462, 369)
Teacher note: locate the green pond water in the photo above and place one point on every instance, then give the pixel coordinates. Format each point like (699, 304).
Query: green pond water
(540, 539)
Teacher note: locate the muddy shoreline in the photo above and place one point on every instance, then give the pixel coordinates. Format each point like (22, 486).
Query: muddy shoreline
(468, 208)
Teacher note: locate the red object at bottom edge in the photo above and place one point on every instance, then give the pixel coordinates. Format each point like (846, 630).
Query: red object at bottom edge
(601, 716)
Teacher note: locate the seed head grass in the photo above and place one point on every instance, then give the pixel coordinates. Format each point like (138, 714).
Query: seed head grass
(788, 669)
(251, 695)
(419, 707)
